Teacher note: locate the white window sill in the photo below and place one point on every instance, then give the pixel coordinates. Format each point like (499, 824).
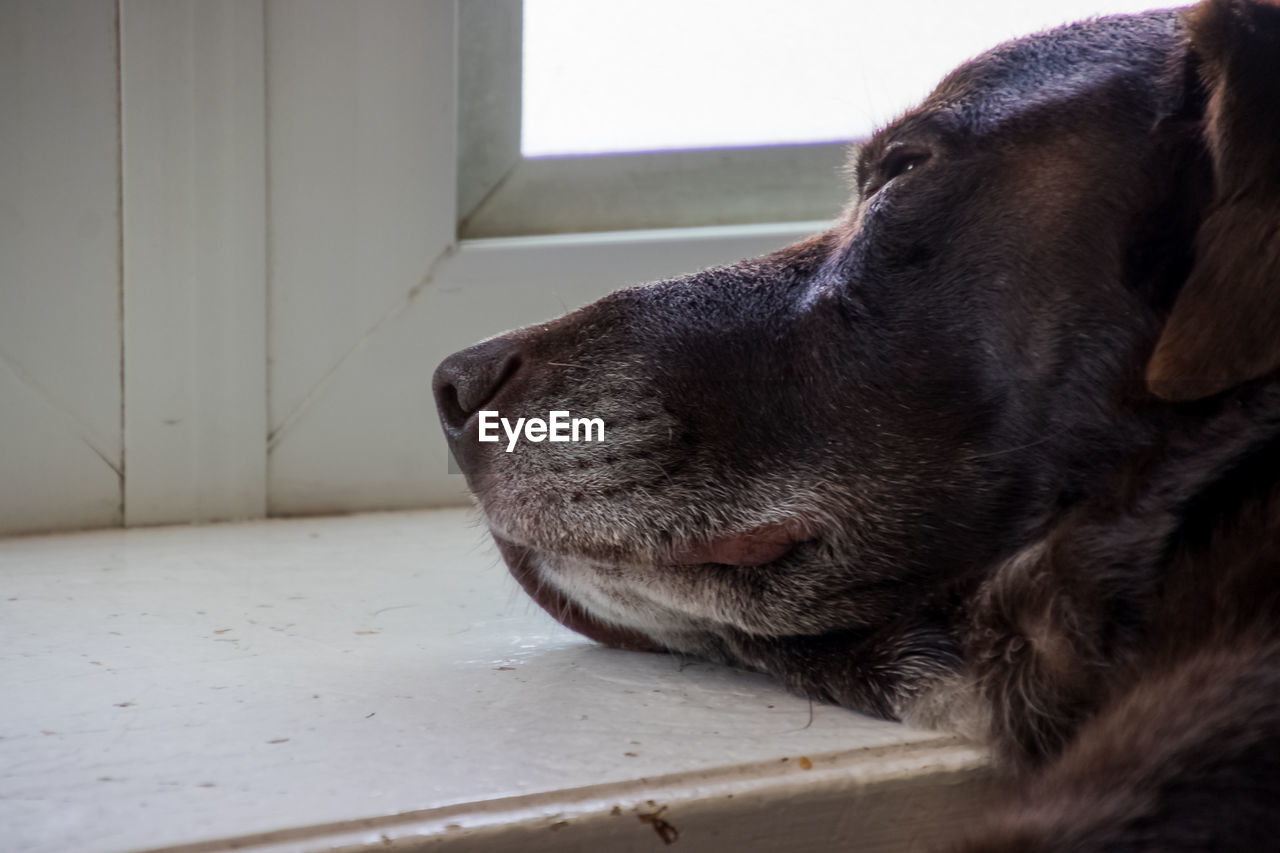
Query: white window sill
(371, 680)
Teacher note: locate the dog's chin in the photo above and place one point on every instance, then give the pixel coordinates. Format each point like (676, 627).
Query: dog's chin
(523, 564)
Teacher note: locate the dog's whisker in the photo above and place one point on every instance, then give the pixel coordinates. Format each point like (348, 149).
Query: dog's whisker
(1004, 451)
(661, 470)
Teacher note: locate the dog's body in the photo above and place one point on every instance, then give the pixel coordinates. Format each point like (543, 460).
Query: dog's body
(1002, 448)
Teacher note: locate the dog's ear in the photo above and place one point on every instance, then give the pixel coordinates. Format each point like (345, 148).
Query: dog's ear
(1224, 328)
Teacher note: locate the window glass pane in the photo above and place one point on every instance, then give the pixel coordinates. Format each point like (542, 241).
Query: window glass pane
(646, 75)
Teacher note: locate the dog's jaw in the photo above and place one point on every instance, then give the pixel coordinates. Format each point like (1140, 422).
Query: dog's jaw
(929, 691)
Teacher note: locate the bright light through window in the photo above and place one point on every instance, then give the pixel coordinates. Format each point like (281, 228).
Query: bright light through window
(647, 75)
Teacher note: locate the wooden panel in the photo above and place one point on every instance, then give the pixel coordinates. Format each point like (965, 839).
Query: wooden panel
(362, 151)
(59, 266)
(194, 259)
(50, 476)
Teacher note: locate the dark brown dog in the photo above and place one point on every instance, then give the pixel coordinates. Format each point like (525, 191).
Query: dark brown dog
(1002, 448)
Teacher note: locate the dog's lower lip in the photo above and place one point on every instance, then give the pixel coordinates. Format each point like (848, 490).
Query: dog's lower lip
(753, 547)
(565, 611)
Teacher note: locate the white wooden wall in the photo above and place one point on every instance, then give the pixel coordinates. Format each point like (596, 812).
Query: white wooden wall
(61, 438)
(192, 115)
(228, 261)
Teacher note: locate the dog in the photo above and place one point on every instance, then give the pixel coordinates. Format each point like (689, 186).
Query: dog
(999, 451)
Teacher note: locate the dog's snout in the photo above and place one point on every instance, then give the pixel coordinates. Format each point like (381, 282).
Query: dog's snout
(467, 380)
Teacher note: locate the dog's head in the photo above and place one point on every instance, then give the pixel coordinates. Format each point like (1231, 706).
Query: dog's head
(809, 456)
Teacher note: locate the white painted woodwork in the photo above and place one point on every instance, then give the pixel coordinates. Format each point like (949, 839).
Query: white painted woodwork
(663, 189)
(355, 682)
(60, 434)
(194, 201)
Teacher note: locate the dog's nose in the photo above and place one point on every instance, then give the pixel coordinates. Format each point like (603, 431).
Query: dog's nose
(467, 380)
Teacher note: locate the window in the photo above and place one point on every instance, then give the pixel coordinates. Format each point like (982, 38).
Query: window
(580, 115)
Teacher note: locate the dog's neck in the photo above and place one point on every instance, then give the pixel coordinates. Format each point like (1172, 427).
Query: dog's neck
(1060, 618)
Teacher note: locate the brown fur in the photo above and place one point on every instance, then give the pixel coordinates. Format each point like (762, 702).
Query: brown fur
(1182, 751)
(1016, 417)
(1225, 326)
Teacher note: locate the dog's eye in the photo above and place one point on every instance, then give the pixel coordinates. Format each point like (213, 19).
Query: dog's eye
(898, 161)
